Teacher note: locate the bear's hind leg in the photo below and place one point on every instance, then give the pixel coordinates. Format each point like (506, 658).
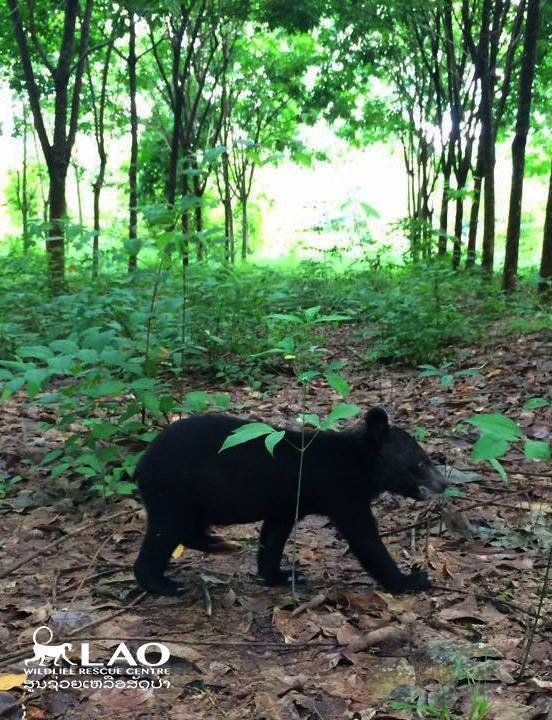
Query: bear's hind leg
(160, 541)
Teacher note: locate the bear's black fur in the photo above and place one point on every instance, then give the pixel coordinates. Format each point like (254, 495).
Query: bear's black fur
(188, 485)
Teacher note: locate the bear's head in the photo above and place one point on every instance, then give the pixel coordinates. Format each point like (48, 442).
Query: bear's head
(403, 466)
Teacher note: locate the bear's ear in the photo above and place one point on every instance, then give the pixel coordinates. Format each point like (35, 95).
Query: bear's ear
(377, 424)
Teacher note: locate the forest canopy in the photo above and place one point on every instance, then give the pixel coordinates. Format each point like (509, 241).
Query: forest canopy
(185, 102)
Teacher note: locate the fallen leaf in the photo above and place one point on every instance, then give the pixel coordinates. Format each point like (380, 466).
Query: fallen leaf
(178, 552)
(7, 682)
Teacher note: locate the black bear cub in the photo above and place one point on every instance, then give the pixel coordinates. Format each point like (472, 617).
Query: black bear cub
(188, 485)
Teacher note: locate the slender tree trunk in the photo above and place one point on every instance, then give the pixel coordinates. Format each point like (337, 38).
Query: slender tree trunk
(487, 138)
(77, 173)
(474, 212)
(97, 189)
(185, 219)
(175, 146)
(228, 217)
(526, 78)
(545, 285)
(443, 216)
(25, 188)
(457, 245)
(245, 229)
(198, 215)
(133, 166)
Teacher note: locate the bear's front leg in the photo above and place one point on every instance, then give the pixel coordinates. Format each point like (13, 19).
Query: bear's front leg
(361, 532)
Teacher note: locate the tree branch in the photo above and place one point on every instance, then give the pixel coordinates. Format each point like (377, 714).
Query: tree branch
(32, 88)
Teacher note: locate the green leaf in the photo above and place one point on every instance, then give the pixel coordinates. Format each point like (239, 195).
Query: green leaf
(59, 469)
(109, 387)
(68, 347)
(41, 352)
(536, 402)
(332, 318)
(61, 364)
(88, 355)
(498, 425)
(245, 433)
(343, 411)
(489, 446)
(143, 384)
(312, 312)
(286, 318)
(272, 439)
(500, 469)
(447, 381)
(102, 430)
(537, 450)
(311, 419)
(308, 376)
(338, 383)
(51, 456)
(124, 487)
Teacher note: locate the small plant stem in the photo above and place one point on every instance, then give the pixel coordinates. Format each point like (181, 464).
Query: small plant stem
(533, 627)
(298, 498)
(149, 324)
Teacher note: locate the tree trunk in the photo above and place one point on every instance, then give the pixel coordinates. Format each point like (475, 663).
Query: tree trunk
(198, 215)
(474, 212)
(77, 172)
(55, 244)
(133, 166)
(175, 146)
(228, 217)
(545, 285)
(185, 219)
(97, 189)
(443, 216)
(526, 78)
(457, 245)
(245, 229)
(70, 62)
(488, 146)
(25, 189)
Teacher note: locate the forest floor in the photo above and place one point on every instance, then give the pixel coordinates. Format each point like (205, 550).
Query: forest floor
(345, 649)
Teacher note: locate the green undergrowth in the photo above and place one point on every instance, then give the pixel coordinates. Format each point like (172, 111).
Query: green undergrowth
(116, 358)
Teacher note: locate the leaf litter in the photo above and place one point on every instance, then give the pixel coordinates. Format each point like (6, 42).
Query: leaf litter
(348, 649)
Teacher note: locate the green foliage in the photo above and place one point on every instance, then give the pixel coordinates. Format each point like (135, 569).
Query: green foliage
(497, 434)
(446, 375)
(107, 366)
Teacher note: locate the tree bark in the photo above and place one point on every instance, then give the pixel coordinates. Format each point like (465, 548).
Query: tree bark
(443, 216)
(24, 202)
(457, 244)
(198, 215)
(545, 285)
(55, 240)
(133, 166)
(245, 229)
(526, 78)
(487, 141)
(228, 217)
(474, 211)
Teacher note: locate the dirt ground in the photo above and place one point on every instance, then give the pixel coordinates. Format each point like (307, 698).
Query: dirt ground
(342, 648)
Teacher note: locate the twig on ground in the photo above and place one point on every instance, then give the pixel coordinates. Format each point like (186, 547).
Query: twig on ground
(537, 616)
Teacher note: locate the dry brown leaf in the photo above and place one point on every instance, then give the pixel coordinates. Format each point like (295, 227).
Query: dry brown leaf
(542, 684)
(11, 680)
